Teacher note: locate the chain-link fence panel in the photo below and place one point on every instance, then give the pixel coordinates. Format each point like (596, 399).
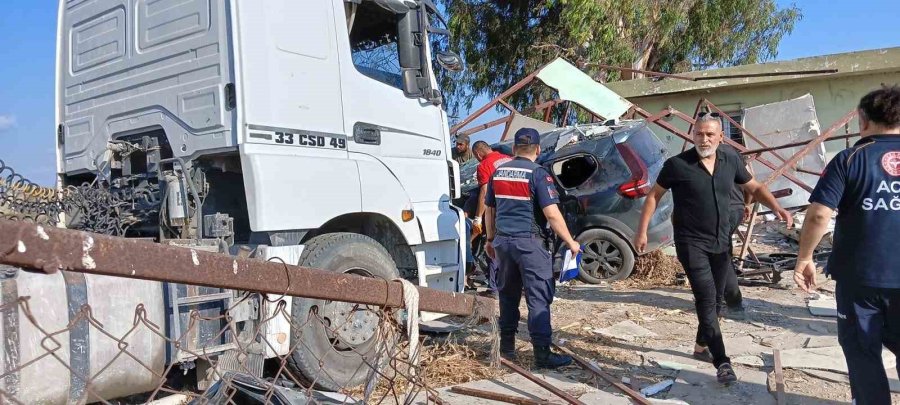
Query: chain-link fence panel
(80, 338)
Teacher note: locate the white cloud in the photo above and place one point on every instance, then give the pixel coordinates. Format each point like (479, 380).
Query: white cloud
(7, 122)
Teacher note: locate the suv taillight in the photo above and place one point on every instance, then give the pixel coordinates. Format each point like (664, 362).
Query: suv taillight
(635, 189)
(637, 186)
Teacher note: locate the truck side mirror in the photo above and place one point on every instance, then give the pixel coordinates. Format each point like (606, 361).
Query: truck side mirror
(410, 43)
(394, 6)
(450, 61)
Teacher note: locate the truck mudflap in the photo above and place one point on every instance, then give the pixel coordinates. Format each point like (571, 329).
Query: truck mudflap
(450, 274)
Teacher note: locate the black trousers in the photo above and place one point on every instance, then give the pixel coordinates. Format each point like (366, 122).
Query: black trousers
(524, 262)
(707, 273)
(732, 295)
(868, 318)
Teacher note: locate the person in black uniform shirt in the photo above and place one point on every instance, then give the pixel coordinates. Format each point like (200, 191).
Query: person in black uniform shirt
(732, 303)
(863, 184)
(521, 201)
(701, 180)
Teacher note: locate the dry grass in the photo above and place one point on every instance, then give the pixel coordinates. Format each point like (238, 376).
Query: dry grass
(458, 359)
(655, 269)
(452, 363)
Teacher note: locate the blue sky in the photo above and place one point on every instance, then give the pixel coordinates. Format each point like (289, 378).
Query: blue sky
(28, 44)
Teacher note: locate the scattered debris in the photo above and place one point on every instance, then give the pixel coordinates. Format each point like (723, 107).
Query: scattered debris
(251, 390)
(571, 325)
(543, 384)
(817, 327)
(626, 330)
(823, 358)
(439, 326)
(496, 396)
(669, 401)
(674, 365)
(657, 388)
(845, 379)
(779, 378)
(794, 235)
(594, 368)
(516, 385)
(654, 269)
(823, 306)
(753, 361)
(820, 341)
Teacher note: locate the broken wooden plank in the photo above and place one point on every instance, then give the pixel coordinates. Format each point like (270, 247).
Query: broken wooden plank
(636, 396)
(545, 385)
(496, 396)
(571, 325)
(436, 399)
(779, 378)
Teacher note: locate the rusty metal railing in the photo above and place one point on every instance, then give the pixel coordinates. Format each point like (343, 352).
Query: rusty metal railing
(76, 350)
(51, 249)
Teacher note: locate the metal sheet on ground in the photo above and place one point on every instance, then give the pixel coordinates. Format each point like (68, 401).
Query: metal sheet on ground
(514, 384)
(824, 358)
(699, 387)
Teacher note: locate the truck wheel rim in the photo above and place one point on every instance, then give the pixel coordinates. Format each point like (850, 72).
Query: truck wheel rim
(350, 325)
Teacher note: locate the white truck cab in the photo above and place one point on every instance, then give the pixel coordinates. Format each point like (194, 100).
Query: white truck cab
(307, 130)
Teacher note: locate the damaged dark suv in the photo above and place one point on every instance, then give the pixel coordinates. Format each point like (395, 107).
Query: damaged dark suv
(603, 173)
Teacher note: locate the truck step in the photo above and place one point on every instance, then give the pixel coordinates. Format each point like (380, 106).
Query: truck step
(434, 269)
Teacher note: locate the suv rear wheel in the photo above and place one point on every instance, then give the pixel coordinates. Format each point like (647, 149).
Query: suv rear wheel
(605, 256)
(334, 341)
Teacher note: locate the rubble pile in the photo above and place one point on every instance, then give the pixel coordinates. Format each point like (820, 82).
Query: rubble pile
(655, 269)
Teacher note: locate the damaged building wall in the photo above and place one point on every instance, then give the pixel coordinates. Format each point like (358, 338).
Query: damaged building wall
(834, 94)
(833, 99)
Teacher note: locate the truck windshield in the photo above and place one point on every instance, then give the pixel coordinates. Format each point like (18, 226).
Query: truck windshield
(373, 43)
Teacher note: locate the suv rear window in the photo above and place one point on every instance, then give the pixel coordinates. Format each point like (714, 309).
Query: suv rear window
(646, 145)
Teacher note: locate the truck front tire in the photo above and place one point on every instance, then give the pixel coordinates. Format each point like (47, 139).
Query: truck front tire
(334, 341)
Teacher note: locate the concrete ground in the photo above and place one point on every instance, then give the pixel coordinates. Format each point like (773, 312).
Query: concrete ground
(656, 346)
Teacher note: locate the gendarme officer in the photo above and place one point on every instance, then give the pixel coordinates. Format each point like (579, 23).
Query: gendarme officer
(521, 200)
(863, 184)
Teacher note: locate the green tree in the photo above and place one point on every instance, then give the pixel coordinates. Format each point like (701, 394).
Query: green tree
(504, 40)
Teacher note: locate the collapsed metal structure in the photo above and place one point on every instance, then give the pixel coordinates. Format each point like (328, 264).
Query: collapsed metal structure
(767, 155)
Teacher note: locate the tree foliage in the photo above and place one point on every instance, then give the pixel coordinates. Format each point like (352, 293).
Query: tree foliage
(504, 40)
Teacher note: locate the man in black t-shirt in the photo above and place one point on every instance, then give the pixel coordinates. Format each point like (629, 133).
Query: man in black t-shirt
(863, 184)
(701, 180)
(738, 210)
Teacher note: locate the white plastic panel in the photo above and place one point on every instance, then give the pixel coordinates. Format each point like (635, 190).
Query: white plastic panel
(98, 40)
(382, 193)
(297, 188)
(278, 329)
(437, 220)
(137, 64)
(290, 72)
(163, 21)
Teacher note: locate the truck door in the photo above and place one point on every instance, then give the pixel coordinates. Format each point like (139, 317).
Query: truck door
(405, 135)
(295, 145)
